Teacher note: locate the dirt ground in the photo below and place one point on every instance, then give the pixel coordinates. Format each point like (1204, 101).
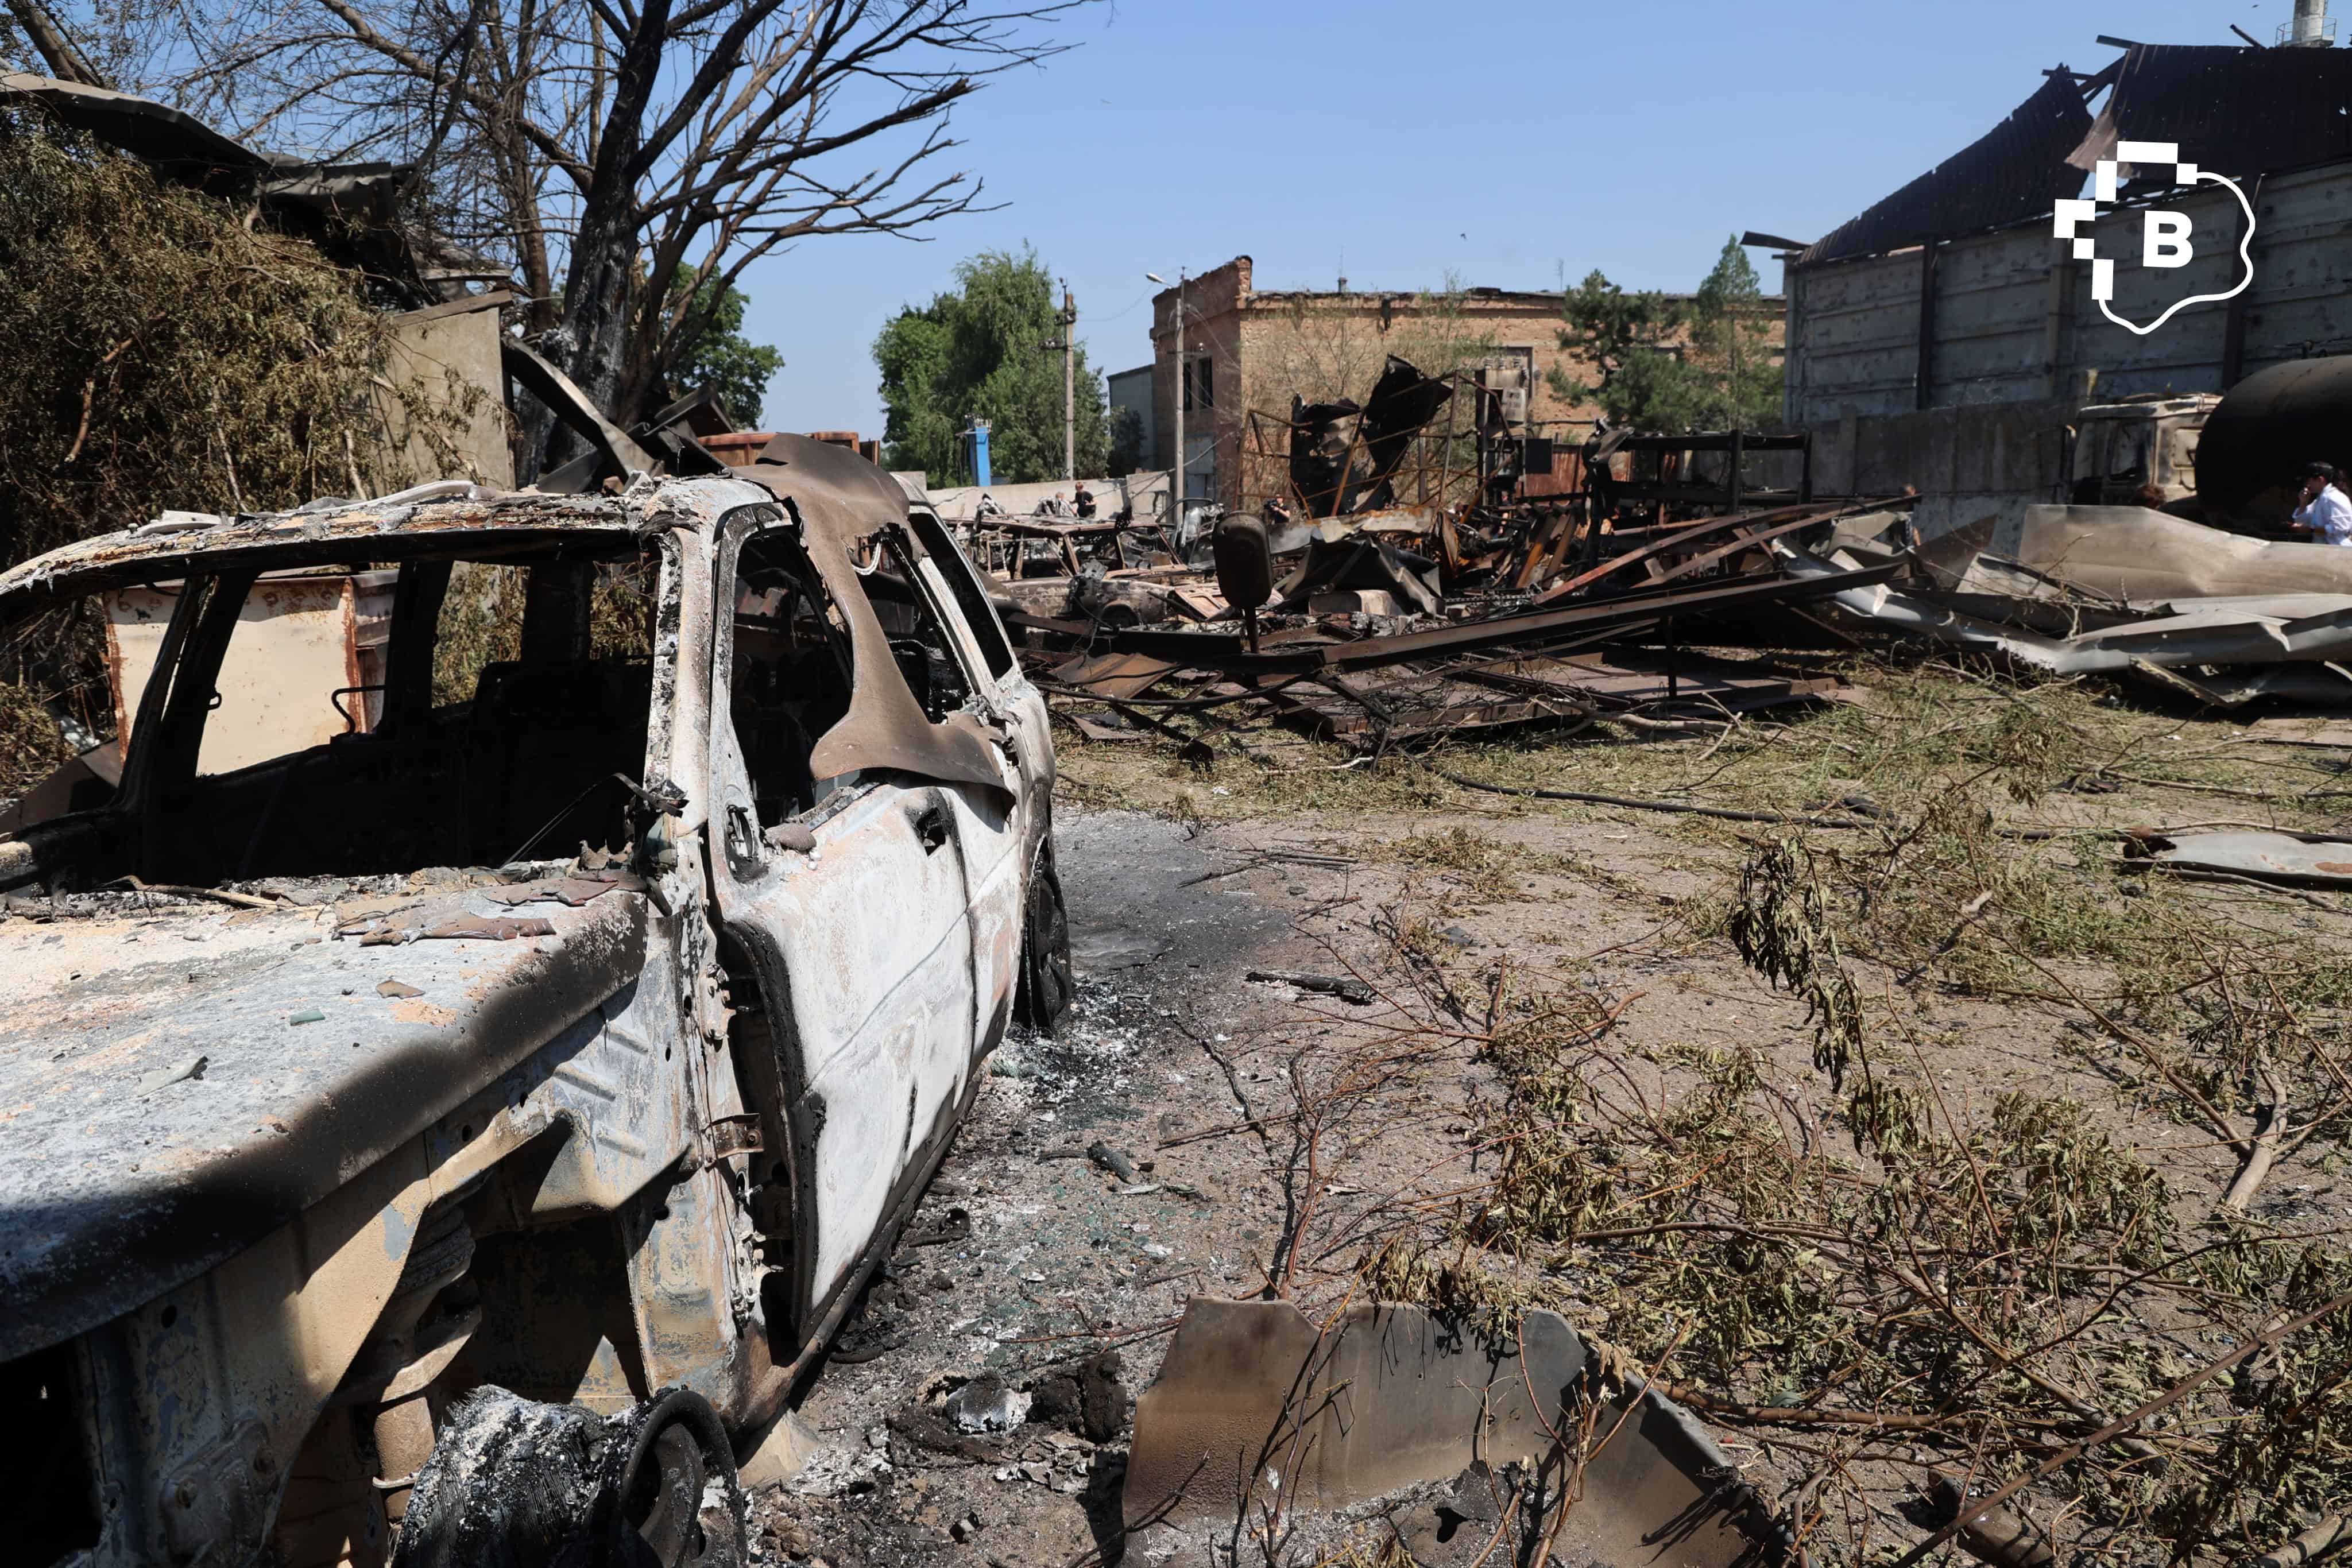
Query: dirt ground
(1253, 1111)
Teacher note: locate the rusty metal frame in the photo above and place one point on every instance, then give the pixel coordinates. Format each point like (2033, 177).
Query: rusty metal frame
(1227, 652)
(1429, 467)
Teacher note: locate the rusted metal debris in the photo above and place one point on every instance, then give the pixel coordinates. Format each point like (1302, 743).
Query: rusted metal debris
(1260, 1411)
(1343, 454)
(1361, 647)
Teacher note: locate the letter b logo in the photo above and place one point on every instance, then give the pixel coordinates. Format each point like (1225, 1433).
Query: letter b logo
(2165, 241)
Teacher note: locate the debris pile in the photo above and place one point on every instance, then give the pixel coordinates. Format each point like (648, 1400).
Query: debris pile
(1401, 627)
(2121, 591)
(1390, 629)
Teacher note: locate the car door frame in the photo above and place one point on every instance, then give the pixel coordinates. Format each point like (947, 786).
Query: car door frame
(746, 865)
(1000, 880)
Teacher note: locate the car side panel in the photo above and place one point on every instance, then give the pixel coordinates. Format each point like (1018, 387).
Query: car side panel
(871, 925)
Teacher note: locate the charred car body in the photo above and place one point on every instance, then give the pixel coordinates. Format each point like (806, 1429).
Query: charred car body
(367, 1145)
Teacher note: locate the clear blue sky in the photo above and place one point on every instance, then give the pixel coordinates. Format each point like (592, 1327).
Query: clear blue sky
(1498, 141)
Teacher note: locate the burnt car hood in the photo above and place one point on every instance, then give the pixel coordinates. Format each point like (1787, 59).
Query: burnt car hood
(128, 1173)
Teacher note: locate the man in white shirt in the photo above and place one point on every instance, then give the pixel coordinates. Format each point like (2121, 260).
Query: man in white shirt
(2323, 510)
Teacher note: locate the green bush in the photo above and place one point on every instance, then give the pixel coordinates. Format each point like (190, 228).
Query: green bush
(164, 351)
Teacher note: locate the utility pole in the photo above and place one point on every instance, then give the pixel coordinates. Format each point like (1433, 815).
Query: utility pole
(1176, 464)
(1069, 383)
(1184, 391)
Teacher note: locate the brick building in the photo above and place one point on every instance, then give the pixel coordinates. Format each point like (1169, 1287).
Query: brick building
(1249, 350)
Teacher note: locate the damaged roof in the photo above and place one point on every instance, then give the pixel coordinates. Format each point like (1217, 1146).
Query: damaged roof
(2237, 111)
(2012, 173)
(173, 142)
(351, 212)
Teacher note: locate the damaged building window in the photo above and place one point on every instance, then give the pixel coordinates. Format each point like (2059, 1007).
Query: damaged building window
(370, 719)
(1199, 388)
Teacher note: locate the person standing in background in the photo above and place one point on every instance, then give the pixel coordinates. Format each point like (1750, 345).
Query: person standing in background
(2322, 509)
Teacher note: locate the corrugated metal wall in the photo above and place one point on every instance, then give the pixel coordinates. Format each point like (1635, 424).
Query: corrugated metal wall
(2013, 320)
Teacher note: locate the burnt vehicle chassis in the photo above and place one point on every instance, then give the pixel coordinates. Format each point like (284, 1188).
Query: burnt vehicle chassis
(438, 1203)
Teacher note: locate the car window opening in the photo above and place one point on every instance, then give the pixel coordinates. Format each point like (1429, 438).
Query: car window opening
(995, 651)
(789, 673)
(920, 641)
(371, 721)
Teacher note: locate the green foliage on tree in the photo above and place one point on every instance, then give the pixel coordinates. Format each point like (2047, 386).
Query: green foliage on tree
(719, 356)
(1731, 337)
(979, 350)
(1625, 338)
(1660, 363)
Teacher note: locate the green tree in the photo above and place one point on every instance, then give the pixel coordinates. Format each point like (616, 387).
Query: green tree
(1731, 334)
(1661, 364)
(1629, 341)
(719, 356)
(979, 350)
(147, 370)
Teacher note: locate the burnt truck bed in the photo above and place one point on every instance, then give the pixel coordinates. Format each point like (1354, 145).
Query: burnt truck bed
(132, 1169)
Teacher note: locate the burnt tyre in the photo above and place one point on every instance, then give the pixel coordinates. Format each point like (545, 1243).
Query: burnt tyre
(1046, 981)
(514, 1483)
(680, 1504)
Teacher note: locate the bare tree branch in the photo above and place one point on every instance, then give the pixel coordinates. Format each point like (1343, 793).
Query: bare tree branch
(630, 159)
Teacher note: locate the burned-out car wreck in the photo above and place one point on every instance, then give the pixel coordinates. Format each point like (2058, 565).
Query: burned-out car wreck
(441, 1143)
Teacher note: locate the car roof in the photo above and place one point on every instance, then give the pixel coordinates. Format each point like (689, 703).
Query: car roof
(184, 544)
(450, 517)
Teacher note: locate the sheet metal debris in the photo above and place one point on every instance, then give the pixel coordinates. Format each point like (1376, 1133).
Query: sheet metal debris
(2295, 860)
(1256, 1403)
(2119, 591)
(2147, 557)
